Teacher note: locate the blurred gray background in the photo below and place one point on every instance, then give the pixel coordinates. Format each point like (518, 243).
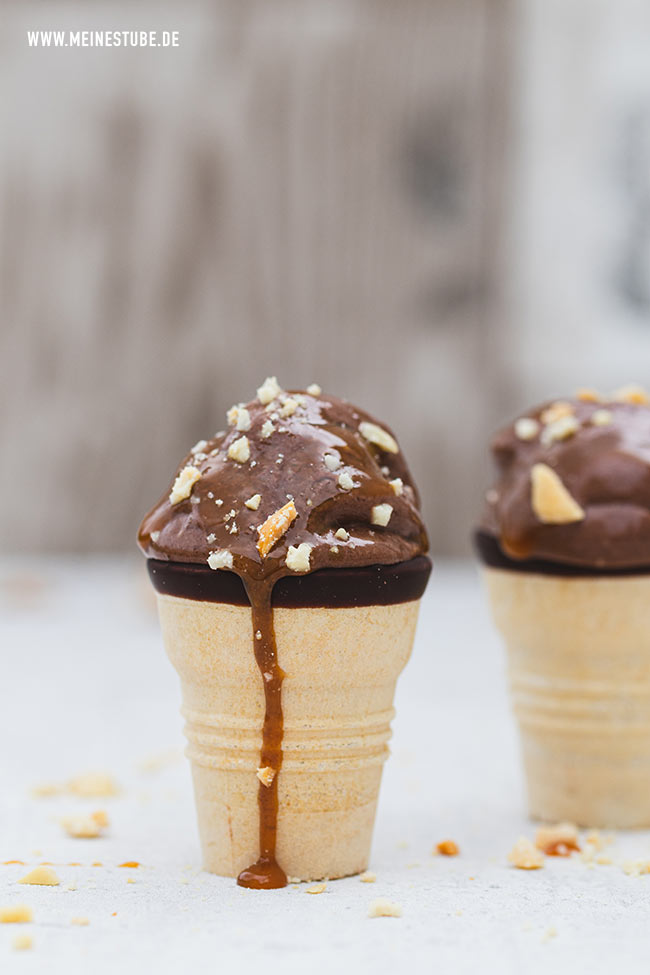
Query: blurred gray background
(439, 209)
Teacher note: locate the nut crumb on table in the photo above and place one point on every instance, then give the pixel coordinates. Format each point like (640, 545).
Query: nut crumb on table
(381, 907)
(560, 840)
(316, 889)
(41, 876)
(22, 942)
(447, 848)
(16, 914)
(525, 856)
(368, 877)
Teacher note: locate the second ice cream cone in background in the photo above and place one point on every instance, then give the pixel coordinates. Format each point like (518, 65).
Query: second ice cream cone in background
(565, 540)
(288, 557)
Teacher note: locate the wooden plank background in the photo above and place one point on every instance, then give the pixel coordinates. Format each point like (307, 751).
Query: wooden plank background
(344, 191)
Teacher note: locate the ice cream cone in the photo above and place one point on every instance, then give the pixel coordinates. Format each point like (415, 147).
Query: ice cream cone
(341, 666)
(579, 666)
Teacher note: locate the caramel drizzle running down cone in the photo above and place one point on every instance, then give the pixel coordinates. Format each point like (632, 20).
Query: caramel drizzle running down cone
(266, 873)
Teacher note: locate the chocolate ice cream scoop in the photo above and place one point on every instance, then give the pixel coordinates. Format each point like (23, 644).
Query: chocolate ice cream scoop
(301, 486)
(299, 481)
(574, 486)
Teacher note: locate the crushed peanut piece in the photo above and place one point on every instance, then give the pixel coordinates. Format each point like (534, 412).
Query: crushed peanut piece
(556, 411)
(298, 557)
(288, 408)
(81, 827)
(182, 487)
(254, 502)
(332, 462)
(631, 394)
(239, 450)
(22, 942)
(154, 537)
(266, 775)
(267, 429)
(558, 841)
(316, 889)
(239, 417)
(334, 549)
(380, 514)
(345, 482)
(93, 785)
(268, 391)
(16, 914)
(272, 530)
(368, 877)
(526, 428)
(80, 921)
(314, 389)
(635, 868)
(221, 559)
(587, 395)
(601, 418)
(384, 908)
(341, 534)
(41, 876)
(199, 447)
(561, 429)
(376, 435)
(550, 500)
(525, 856)
(397, 485)
(447, 848)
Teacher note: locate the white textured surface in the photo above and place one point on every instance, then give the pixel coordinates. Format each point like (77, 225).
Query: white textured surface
(89, 687)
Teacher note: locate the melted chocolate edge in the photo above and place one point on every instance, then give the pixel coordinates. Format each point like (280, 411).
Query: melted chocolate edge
(491, 554)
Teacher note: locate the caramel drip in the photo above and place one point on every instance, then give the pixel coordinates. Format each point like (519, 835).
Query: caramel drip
(266, 873)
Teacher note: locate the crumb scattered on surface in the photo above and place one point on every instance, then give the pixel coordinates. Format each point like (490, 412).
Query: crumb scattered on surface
(80, 921)
(447, 848)
(384, 908)
(525, 856)
(85, 827)
(93, 785)
(22, 942)
(41, 876)
(129, 863)
(316, 889)
(16, 914)
(560, 840)
(549, 934)
(368, 877)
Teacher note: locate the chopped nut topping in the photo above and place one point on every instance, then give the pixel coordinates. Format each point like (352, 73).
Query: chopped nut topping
(380, 514)
(258, 634)
(447, 848)
(381, 438)
(316, 889)
(272, 530)
(211, 538)
(631, 394)
(556, 411)
(314, 389)
(526, 428)
(267, 429)
(601, 418)
(298, 557)
(221, 559)
(559, 429)
(384, 908)
(254, 502)
(16, 914)
(22, 942)
(199, 447)
(341, 534)
(368, 877)
(289, 407)
(334, 549)
(239, 417)
(604, 861)
(183, 484)
(332, 462)
(268, 391)
(587, 395)
(550, 500)
(345, 481)
(239, 450)
(154, 537)
(41, 876)
(525, 856)
(101, 817)
(397, 485)
(266, 775)
(557, 841)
